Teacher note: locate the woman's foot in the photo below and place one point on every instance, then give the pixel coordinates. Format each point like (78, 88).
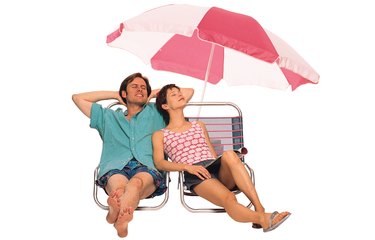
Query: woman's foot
(114, 206)
(124, 217)
(273, 220)
(257, 225)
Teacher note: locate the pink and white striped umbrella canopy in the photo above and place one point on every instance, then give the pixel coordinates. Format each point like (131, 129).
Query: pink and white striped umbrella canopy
(212, 44)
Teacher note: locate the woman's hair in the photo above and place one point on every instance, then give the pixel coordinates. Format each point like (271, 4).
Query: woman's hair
(162, 99)
(130, 79)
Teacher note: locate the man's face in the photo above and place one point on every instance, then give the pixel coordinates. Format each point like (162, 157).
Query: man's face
(136, 92)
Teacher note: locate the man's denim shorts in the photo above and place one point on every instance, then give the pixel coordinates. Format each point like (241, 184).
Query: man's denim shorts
(132, 168)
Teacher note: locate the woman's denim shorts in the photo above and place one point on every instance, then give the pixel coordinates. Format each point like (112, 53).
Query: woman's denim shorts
(213, 167)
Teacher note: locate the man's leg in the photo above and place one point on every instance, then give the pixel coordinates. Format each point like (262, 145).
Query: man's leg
(115, 188)
(140, 186)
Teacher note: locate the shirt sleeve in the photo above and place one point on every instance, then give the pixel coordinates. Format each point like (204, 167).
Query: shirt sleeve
(159, 120)
(97, 117)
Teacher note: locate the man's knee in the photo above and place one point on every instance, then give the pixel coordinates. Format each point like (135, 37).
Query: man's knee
(142, 183)
(115, 183)
(136, 183)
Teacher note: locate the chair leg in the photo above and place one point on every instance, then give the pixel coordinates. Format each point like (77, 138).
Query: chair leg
(95, 193)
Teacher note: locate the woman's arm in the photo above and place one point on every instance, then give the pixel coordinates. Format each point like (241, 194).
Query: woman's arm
(85, 100)
(165, 165)
(158, 154)
(187, 93)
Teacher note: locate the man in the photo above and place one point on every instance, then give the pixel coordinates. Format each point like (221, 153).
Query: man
(127, 172)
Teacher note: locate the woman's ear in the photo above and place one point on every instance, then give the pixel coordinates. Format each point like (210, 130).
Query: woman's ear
(165, 106)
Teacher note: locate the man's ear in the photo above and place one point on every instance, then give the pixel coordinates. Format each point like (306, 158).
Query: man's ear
(123, 94)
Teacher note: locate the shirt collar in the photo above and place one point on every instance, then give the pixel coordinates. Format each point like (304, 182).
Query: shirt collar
(126, 111)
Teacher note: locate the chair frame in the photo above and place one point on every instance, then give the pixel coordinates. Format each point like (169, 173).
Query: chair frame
(139, 208)
(184, 192)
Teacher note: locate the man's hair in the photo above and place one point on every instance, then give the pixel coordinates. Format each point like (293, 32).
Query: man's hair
(130, 79)
(162, 99)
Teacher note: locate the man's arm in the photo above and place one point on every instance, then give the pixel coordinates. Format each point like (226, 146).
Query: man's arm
(85, 100)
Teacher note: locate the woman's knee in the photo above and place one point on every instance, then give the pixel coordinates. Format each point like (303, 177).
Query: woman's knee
(229, 199)
(230, 157)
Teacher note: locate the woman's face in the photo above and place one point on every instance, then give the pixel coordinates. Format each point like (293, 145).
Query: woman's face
(175, 99)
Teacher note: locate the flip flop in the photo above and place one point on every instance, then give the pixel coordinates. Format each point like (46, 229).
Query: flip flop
(274, 226)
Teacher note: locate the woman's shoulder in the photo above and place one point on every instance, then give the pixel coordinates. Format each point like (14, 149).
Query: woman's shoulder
(200, 123)
(158, 134)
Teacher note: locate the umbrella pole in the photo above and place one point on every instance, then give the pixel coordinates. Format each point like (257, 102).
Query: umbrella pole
(208, 69)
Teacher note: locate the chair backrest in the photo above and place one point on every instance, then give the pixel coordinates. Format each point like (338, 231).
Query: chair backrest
(224, 124)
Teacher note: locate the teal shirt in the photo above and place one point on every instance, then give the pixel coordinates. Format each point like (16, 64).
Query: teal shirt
(124, 139)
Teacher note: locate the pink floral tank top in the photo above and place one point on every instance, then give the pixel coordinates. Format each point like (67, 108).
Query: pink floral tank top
(187, 147)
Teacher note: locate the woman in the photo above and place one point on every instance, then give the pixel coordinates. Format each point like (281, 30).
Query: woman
(187, 145)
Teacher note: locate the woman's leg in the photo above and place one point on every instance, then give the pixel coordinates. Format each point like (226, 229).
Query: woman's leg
(215, 192)
(233, 172)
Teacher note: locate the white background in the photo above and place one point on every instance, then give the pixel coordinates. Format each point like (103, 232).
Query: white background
(311, 149)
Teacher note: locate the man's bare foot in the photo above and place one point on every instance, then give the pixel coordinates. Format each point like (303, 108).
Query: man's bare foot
(114, 206)
(124, 217)
(272, 220)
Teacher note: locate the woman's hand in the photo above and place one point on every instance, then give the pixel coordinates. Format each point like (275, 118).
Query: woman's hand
(199, 171)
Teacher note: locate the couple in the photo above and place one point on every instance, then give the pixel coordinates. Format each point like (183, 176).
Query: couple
(131, 161)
